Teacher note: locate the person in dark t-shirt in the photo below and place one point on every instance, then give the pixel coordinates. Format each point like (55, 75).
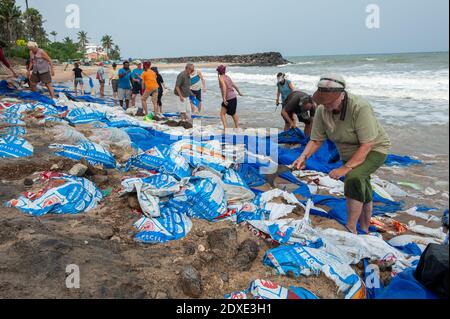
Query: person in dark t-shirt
(301, 104)
(78, 79)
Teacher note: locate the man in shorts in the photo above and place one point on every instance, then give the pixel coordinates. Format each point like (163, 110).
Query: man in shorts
(124, 92)
(101, 78)
(150, 87)
(136, 81)
(114, 80)
(183, 91)
(301, 104)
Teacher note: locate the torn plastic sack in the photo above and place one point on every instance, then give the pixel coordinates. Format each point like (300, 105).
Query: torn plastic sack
(172, 225)
(356, 248)
(110, 136)
(403, 242)
(200, 154)
(14, 147)
(423, 230)
(397, 160)
(267, 290)
(201, 198)
(143, 139)
(415, 211)
(85, 115)
(307, 261)
(250, 174)
(150, 189)
(13, 130)
(93, 153)
(68, 135)
(162, 159)
(237, 192)
(63, 194)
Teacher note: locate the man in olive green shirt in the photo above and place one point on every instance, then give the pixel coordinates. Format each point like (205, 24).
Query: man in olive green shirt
(363, 144)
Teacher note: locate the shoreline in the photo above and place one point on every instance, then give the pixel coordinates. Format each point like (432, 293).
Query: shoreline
(64, 74)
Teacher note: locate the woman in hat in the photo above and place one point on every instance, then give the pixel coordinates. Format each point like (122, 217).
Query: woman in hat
(228, 89)
(363, 145)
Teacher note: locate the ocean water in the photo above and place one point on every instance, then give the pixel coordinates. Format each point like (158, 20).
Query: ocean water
(403, 88)
(409, 93)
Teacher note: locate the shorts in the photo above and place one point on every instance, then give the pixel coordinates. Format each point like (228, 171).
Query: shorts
(198, 95)
(45, 78)
(115, 85)
(78, 81)
(124, 94)
(137, 89)
(160, 95)
(357, 182)
(231, 107)
(153, 94)
(102, 82)
(184, 107)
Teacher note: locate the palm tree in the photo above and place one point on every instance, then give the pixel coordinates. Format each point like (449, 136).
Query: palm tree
(107, 43)
(67, 40)
(83, 40)
(9, 17)
(54, 34)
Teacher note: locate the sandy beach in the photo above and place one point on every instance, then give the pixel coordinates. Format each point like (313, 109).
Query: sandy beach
(63, 72)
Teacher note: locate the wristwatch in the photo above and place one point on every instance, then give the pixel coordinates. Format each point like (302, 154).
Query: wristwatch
(350, 168)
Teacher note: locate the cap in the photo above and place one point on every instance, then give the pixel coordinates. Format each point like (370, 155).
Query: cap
(329, 89)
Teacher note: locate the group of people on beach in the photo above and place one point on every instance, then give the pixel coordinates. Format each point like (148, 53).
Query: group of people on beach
(330, 113)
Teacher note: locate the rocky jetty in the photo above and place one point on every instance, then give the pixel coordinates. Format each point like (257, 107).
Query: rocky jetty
(257, 59)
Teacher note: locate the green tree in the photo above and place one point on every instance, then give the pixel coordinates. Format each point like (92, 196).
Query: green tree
(83, 40)
(54, 34)
(107, 43)
(68, 40)
(10, 23)
(34, 26)
(115, 53)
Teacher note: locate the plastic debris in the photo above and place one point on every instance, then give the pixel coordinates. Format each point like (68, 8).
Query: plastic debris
(93, 153)
(14, 146)
(162, 159)
(150, 189)
(307, 261)
(434, 232)
(172, 225)
(63, 194)
(267, 290)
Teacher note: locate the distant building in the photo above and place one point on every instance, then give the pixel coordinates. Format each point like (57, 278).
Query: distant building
(95, 53)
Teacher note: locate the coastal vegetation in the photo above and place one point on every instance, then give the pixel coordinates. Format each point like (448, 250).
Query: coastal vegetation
(18, 26)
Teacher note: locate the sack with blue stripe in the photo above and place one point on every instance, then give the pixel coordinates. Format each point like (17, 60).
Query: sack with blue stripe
(14, 147)
(172, 225)
(203, 154)
(307, 261)
(85, 116)
(202, 199)
(163, 160)
(95, 154)
(13, 130)
(64, 195)
(150, 189)
(267, 290)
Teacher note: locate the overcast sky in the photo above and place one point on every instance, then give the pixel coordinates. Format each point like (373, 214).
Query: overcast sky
(168, 28)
